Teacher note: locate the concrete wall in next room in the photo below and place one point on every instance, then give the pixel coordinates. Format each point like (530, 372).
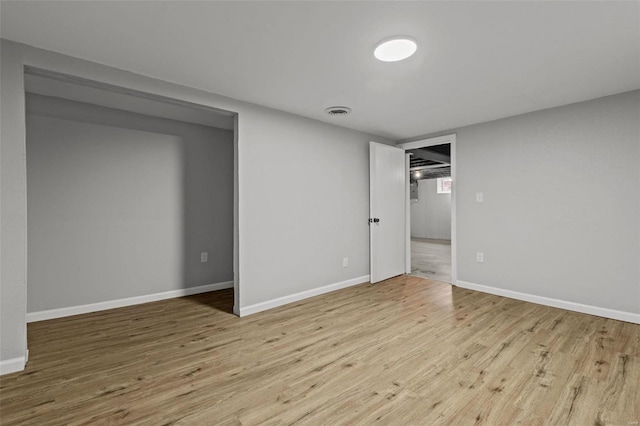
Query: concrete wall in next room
(122, 204)
(431, 213)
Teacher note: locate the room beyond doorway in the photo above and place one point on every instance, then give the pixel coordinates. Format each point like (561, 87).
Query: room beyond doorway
(431, 259)
(430, 215)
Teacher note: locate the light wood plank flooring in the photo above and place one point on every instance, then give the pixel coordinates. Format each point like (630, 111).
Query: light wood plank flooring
(406, 351)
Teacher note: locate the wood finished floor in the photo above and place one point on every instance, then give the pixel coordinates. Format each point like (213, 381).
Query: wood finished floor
(407, 351)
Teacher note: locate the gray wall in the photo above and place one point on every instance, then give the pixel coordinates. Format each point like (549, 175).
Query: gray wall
(561, 211)
(301, 191)
(122, 204)
(304, 207)
(431, 214)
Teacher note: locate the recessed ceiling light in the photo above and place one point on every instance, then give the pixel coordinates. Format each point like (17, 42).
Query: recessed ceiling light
(395, 49)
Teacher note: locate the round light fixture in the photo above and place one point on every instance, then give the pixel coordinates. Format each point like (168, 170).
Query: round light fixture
(395, 49)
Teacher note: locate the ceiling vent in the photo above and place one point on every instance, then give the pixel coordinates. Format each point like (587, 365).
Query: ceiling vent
(338, 111)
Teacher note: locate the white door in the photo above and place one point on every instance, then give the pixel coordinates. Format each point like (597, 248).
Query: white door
(387, 211)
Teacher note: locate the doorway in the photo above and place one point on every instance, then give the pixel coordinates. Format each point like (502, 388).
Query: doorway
(430, 214)
(430, 208)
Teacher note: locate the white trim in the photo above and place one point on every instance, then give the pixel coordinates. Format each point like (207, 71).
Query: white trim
(555, 303)
(118, 303)
(12, 365)
(236, 217)
(407, 213)
(439, 140)
(273, 303)
(454, 202)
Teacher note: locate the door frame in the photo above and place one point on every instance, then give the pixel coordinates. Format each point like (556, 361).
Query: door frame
(422, 143)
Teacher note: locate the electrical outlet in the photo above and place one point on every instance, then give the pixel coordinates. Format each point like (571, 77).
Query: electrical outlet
(345, 262)
(479, 197)
(204, 257)
(480, 257)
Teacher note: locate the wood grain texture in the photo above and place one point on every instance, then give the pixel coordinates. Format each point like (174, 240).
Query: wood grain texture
(406, 351)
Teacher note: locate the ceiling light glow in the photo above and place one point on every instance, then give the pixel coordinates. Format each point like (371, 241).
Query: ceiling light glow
(395, 49)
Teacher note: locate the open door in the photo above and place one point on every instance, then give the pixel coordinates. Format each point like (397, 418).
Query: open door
(387, 218)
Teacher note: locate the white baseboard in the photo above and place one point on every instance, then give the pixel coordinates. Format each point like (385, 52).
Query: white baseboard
(556, 303)
(12, 365)
(110, 304)
(273, 303)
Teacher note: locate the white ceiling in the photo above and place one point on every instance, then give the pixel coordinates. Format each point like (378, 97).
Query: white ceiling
(476, 61)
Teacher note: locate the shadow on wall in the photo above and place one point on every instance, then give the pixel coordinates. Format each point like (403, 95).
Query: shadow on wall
(122, 204)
